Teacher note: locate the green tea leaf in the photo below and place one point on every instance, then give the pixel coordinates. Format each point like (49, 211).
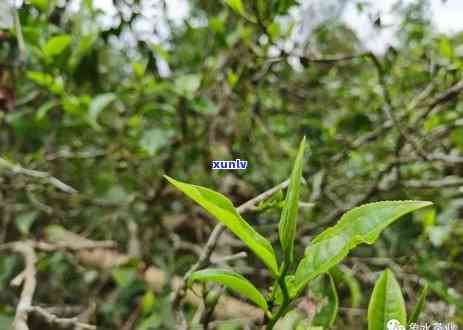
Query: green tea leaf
(97, 105)
(123, 276)
(187, 85)
(223, 210)
(290, 320)
(56, 45)
(148, 302)
(44, 108)
(232, 280)
(360, 225)
(237, 6)
(343, 274)
(42, 5)
(152, 140)
(154, 321)
(24, 221)
(288, 221)
(327, 301)
(386, 303)
(40, 78)
(419, 304)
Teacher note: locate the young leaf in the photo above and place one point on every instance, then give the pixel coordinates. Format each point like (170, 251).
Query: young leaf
(326, 300)
(237, 6)
(98, 104)
(223, 210)
(344, 275)
(290, 320)
(386, 303)
(232, 280)
(288, 221)
(419, 304)
(360, 225)
(56, 45)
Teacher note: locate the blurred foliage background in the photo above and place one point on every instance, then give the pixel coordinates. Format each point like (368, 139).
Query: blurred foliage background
(109, 101)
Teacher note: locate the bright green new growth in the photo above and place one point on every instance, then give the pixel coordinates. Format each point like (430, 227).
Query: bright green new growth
(232, 280)
(223, 210)
(288, 221)
(386, 303)
(363, 224)
(326, 299)
(419, 304)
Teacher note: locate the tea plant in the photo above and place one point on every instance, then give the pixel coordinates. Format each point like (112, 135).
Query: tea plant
(362, 224)
(387, 307)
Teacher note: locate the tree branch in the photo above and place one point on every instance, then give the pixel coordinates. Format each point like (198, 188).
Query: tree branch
(18, 169)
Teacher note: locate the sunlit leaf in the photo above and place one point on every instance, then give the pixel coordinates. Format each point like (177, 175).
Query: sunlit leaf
(386, 303)
(223, 210)
(288, 221)
(56, 45)
(326, 296)
(237, 6)
(97, 105)
(360, 225)
(40, 4)
(233, 281)
(44, 108)
(419, 304)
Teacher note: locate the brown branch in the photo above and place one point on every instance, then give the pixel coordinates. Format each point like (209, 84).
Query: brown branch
(28, 278)
(58, 321)
(72, 246)
(389, 108)
(333, 58)
(29, 283)
(18, 169)
(451, 159)
(370, 191)
(441, 98)
(450, 181)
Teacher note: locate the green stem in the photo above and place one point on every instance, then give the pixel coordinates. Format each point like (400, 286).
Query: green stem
(284, 306)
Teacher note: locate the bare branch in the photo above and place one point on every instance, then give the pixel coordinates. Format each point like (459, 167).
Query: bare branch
(58, 321)
(29, 283)
(450, 181)
(18, 169)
